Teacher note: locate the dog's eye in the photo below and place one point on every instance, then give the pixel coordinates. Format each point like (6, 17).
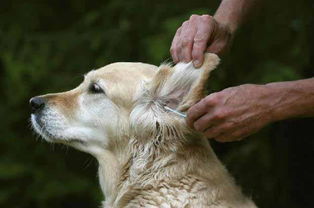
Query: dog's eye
(95, 88)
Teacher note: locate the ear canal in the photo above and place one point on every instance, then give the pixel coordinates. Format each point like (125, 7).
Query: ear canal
(197, 90)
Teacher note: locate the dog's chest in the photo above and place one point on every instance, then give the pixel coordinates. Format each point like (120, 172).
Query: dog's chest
(167, 194)
(164, 198)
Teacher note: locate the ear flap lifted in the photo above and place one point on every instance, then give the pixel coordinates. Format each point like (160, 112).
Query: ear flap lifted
(197, 90)
(181, 86)
(177, 87)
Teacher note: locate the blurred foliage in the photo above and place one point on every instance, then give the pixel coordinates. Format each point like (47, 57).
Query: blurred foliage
(46, 46)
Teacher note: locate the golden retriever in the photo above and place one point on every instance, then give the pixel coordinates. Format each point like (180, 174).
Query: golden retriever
(148, 157)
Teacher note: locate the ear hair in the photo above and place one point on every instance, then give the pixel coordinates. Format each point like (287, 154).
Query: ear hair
(177, 87)
(183, 85)
(159, 80)
(197, 91)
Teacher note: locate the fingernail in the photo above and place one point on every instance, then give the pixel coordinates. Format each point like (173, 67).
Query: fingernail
(196, 63)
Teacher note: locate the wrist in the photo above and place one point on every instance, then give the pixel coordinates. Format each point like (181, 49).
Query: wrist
(287, 100)
(229, 14)
(222, 21)
(266, 100)
(233, 13)
(275, 102)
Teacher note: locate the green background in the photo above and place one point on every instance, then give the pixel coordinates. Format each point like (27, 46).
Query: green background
(47, 46)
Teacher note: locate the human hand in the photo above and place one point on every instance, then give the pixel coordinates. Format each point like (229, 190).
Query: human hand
(233, 113)
(200, 34)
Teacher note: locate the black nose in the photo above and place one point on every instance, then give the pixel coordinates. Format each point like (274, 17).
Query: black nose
(37, 103)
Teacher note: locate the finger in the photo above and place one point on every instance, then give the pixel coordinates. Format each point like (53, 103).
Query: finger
(233, 135)
(201, 39)
(186, 42)
(219, 128)
(203, 123)
(228, 137)
(174, 50)
(213, 132)
(196, 111)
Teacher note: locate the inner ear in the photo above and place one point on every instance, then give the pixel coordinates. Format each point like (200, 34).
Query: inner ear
(198, 88)
(183, 85)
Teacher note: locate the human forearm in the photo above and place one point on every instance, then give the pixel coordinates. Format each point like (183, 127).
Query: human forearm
(237, 112)
(233, 12)
(292, 99)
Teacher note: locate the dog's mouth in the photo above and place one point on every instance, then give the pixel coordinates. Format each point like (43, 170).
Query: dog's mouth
(40, 127)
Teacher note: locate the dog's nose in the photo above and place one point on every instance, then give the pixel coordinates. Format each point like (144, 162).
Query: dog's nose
(37, 103)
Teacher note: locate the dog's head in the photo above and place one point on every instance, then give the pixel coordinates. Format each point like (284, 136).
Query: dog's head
(117, 101)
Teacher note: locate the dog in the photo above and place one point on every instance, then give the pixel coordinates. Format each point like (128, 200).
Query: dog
(147, 155)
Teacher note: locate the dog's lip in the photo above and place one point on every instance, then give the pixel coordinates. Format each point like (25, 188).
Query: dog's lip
(36, 118)
(69, 141)
(42, 131)
(41, 128)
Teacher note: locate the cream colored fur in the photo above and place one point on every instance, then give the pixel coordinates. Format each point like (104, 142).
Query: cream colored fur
(147, 156)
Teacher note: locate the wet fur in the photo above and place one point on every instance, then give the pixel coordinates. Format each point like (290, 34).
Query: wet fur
(147, 156)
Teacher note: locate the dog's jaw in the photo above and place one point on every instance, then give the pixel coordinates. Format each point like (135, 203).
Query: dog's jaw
(49, 124)
(55, 128)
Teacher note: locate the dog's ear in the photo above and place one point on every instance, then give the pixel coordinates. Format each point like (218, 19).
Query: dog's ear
(177, 87)
(181, 86)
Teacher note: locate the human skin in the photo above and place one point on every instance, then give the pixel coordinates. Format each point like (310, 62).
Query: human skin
(205, 33)
(236, 112)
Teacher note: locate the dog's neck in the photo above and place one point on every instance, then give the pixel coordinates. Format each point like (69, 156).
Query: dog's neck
(142, 163)
(110, 169)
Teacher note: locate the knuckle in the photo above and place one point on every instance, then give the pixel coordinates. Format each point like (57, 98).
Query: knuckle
(173, 50)
(224, 113)
(200, 40)
(218, 96)
(207, 17)
(211, 100)
(203, 102)
(194, 16)
(179, 30)
(220, 115)
(245, 85)
(202, 105)
(229, 126)
(185, 23)
(191, 114)
(186, 42)
(216, 116)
